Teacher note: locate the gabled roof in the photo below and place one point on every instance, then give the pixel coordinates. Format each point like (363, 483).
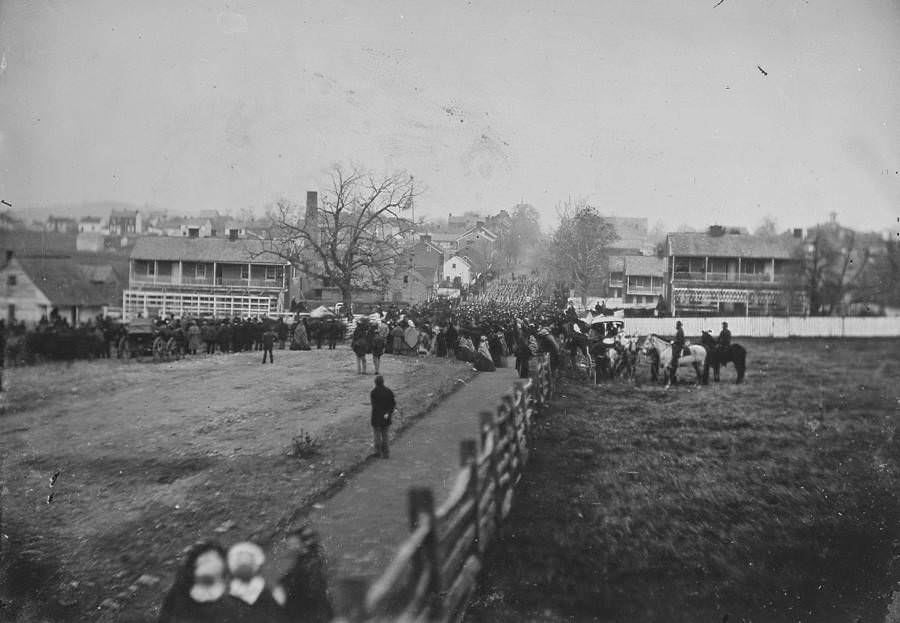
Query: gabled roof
(204, 250)
(645, 265)
(91, 219)
(438, 237)
(731, 245)
(124, 213)
(465, 259)
(65, 283)
(479, 230)
(616, 263)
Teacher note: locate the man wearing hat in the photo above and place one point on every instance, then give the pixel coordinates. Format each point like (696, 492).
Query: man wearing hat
(724, 337)
(677, 347)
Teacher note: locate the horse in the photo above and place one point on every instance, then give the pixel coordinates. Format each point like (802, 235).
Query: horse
(719, 356)
(696, 356)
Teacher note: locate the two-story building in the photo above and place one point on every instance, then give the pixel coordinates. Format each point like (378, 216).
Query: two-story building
(636, 281)
(218, 277)
(92, 225)
(62, 224)
(459, 266)
(716, 272)
(123, 222)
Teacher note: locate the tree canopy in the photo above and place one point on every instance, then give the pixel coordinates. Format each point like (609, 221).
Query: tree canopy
(579, 248)
(357, 236)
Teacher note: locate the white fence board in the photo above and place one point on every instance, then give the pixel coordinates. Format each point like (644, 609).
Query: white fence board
(771, 326)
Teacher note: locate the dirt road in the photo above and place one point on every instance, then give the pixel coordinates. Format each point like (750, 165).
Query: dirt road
(151, 457)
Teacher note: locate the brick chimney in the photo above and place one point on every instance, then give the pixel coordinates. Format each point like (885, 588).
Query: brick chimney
(311, 221)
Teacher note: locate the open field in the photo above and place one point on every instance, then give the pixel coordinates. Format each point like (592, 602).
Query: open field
(152, 457)
(776, 500)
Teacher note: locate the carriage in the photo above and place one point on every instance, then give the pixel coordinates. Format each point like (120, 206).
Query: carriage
(592, 338)
(142, 337)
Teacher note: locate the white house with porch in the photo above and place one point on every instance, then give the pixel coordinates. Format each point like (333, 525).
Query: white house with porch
(210, 277)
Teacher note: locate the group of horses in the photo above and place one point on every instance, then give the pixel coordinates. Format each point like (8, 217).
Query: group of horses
(600, 356)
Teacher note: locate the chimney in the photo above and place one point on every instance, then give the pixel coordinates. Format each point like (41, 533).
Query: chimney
(311, 221)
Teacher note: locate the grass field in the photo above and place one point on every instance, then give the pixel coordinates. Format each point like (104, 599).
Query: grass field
(775, 500)
(150, 458)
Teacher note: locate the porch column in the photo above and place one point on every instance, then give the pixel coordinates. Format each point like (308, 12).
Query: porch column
(773, 270)
(706, 269)
(249, 274)
(180, 272)
(739, 269)
(214, 275)
(155, 270)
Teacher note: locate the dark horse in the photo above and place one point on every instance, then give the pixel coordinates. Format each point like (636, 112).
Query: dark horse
(718, 356)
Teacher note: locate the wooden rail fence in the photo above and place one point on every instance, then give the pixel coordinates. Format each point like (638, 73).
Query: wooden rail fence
(433, 573)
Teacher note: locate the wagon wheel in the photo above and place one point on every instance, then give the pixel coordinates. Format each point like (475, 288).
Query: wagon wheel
(123, 350)
(173, 350)
(159, 349)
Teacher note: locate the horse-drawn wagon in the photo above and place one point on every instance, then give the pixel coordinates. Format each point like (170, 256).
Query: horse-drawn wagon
(142, 337)
(592, 343)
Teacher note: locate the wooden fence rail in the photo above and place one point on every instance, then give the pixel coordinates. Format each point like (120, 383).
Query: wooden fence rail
(434, 571)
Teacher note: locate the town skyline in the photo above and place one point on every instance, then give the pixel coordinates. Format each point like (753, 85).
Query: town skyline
(695, 115)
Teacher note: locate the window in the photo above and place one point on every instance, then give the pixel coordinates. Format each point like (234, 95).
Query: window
(193, 232)
(245, 271)
(454, 266)
(271, 273)
(151, 268)
(11, 280)
(200, 271)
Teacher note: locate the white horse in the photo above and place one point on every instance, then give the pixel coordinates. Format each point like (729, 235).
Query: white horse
(695, 358)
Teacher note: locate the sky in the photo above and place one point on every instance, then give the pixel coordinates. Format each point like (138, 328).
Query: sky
(684, 112)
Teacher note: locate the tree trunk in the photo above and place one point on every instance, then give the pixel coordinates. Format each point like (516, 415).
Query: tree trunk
(346, 297)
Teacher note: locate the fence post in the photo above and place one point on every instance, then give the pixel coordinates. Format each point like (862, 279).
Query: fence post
(421, 502)
(489, 427)
(350, 600)
(468, 458)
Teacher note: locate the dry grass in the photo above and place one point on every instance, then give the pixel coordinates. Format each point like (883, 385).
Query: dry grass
(770, 501)
(154, 457)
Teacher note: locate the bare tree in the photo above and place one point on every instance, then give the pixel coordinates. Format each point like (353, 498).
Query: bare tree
(358, 235)
(579, 248)
(833, 266)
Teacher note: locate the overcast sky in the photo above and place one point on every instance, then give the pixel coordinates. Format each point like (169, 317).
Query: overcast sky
(653, 108)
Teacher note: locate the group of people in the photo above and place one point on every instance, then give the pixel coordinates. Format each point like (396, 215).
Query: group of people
(228, 586)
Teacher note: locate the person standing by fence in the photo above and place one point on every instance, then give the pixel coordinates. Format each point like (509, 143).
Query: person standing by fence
(383, 405)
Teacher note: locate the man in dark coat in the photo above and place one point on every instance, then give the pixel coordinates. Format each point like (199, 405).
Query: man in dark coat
(677, 347)
(268, 342)
(452, 339)
(383, 405)
(724, 337)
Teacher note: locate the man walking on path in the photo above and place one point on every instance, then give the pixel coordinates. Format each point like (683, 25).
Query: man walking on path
(383, 405)
(268, 341)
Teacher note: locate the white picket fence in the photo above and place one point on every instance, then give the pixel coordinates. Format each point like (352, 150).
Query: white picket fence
(772, 326)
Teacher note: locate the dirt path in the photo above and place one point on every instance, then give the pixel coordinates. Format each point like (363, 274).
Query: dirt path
(152, 457)
(364, 523)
